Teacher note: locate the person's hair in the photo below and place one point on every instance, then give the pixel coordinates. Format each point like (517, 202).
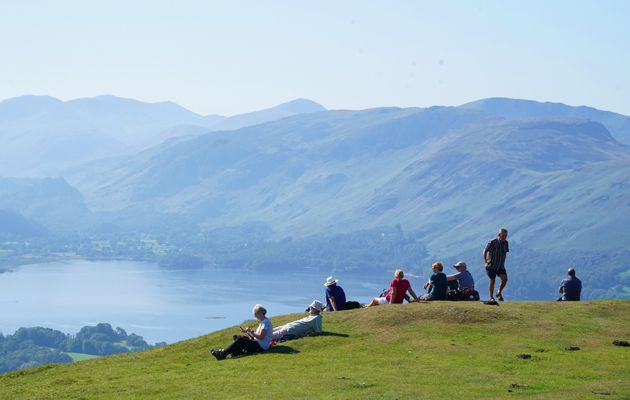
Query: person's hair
(503, 230)
(259, 308)
(438, 266)
(399, 274)
(571, 271)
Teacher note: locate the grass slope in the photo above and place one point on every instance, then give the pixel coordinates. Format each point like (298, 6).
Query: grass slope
(434, 351)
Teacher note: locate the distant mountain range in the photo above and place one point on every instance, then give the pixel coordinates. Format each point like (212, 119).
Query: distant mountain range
(41, 136)
(557, 176)
(453, 173)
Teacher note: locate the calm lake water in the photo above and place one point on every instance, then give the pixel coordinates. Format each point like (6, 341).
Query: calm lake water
(156, 303)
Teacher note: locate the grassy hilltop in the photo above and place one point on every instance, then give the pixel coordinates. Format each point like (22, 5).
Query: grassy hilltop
(441, 350)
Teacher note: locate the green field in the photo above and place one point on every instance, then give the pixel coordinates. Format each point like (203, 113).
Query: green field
(440, 350)
(81, 356)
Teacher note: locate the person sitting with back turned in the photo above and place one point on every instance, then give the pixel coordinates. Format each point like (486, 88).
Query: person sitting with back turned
(335, 296)
(570, 287)
(310, 325)
(436, 284)
(397, 290)
(254, 342)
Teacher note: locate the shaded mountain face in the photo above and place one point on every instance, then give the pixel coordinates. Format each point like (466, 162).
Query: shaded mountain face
(51, 202)
(617, 124)
(42, 136)
(14, 225)
(453, 173)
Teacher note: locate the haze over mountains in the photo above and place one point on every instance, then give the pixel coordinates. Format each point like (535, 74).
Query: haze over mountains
(557, 176)
(42, 135)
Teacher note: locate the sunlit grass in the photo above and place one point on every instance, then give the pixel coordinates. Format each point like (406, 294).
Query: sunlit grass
(439, 350)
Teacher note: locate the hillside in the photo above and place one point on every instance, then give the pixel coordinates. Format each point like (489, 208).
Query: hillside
(41, 135)
(451, 173)
(440, 350)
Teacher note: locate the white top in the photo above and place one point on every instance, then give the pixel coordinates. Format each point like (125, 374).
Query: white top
(266, 325)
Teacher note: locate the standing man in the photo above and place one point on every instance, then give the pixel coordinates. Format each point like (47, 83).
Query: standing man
(335, 296)
(494, 256)
(570, 287)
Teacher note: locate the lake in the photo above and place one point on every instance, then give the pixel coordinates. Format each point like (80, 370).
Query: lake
(156, 303)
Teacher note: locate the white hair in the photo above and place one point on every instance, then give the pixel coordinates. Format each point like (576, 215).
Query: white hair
(259, 308)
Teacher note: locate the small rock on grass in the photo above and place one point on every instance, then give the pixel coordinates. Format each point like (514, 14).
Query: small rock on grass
(524, 356)
(572, 348)
(622, 343)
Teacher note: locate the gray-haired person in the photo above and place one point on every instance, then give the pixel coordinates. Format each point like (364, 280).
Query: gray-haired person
(494, 255)
(255, 341)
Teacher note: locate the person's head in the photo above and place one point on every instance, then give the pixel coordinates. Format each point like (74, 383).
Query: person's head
(571, 271)
(259, 312)
(460, 266)
(437, 267)
(399, 274)
(503, 233)
(315, 307)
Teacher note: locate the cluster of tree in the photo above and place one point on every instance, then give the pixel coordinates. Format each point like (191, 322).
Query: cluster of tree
(29, 347)
(534, 274)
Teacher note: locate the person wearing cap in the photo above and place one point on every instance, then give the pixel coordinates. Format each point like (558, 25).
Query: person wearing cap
(570, 287)
(309, 325)
(255, 341)
(335, 296)
(494, 255)
(398, 288)
(462, 279)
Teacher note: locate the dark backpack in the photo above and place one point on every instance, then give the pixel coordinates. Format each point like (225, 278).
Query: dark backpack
(350, 305)
(468, 294)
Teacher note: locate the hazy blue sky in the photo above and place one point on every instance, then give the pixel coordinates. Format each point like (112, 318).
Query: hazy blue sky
(235, 56)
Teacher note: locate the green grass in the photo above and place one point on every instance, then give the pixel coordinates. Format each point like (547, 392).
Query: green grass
(440, 350)
(81, 356)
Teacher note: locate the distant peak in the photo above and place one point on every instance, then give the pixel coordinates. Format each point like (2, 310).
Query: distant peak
(300, 106)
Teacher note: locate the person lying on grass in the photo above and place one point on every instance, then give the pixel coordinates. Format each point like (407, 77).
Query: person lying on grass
(309, 325)
(254, 342)
(397, 290)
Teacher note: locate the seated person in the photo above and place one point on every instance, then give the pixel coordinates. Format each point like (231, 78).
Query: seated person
(462, 279)
(254, 342)
(310, 325)
(397, 290)
(436, 284)
(335, 296)
(570, 287)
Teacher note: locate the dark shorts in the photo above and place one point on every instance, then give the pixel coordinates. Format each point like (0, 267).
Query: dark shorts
(492, 273)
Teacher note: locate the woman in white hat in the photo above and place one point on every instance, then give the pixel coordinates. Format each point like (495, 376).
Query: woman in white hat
(335, 296)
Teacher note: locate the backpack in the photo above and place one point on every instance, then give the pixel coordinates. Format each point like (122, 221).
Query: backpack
(350, 305)
(468, 294)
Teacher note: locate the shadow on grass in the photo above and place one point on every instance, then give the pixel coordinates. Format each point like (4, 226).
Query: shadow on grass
(337, 334)
(282, 349)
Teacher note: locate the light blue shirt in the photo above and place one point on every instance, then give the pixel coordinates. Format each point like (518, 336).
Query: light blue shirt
(265, 325)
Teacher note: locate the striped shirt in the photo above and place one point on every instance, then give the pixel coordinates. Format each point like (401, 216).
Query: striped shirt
(498, 250)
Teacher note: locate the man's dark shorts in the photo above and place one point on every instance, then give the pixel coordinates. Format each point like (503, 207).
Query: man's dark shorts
(492, 273)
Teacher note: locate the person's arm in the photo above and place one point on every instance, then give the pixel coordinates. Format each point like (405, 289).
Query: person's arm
(451, 278)
(254, 335)
(413, 294)
(484, 255)
(394, 292)
(333, 303)
(561, 288)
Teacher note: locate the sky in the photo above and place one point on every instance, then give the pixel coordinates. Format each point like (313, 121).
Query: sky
(231, 57)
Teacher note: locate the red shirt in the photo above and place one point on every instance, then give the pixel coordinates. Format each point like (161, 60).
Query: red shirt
(401, 286)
